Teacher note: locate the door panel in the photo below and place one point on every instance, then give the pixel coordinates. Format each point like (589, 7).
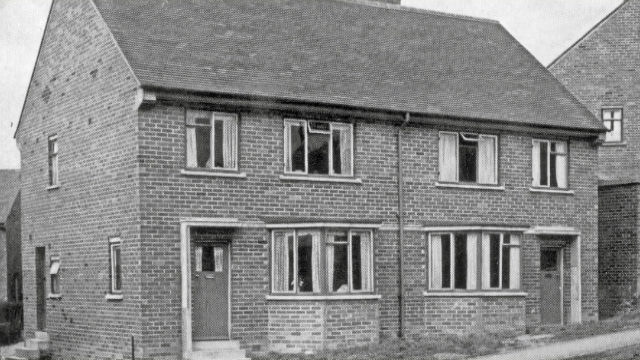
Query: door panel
(210, 291)
(550, 287)
(41, 288)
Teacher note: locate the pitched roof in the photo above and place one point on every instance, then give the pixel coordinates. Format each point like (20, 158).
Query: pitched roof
(347, 53)
(9, 187)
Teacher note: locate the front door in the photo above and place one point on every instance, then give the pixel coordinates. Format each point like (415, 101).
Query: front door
(41, 288)
(210, 291)
(550, 286)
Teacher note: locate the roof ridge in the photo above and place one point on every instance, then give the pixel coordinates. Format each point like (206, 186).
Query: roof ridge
(387, 5)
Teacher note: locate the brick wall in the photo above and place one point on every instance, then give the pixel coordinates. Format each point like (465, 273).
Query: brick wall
(14, 252)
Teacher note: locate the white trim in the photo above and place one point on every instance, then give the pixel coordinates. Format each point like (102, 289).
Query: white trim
(323, 297)
(54, 296)
(222, 222)
(553, 230)
(614, 143)
(53, 187)
(474, 294)
(395, 227)
(551, 191)
(113, 297)
(354, 226)
(471, 186)
(473, 228)
(328, 178)
(213, 173)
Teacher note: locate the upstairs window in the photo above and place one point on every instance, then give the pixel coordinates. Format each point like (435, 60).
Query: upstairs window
(318, 148)
(550, 164)
(612, 120)
(115, 268)
(53, 160)
(468, 158)
(54, 271)
(212, 140)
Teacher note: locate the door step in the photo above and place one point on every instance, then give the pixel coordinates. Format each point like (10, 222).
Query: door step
(217, 350)
(32, 349)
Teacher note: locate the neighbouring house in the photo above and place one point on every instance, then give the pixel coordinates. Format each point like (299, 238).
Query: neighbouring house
(10, 263)
(295, 176)
(601, 70)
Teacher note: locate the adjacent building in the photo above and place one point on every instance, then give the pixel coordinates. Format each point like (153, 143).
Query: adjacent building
(10, 263)
(295, 176)
(600, 69)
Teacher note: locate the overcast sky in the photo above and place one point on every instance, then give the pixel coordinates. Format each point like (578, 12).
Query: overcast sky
(545, 27)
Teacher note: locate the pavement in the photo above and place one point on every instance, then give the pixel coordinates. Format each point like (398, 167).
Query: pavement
(572, 348)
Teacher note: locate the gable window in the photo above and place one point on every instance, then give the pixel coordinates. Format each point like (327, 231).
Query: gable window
(318, 148)
(53, 160)
(54, 275)
(115, 268)
(550, 164)
(612, 120)
(322, 261)
(470, 158)
(212, 140)
(461, 261)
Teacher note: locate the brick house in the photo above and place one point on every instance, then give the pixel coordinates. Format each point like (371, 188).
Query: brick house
(10, 288)
(297, 175)
(600, 70)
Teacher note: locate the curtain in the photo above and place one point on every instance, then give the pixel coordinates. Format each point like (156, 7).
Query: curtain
(535, 159)
(280, 262)
(487, 160)
(472, 260)
(316, 258)
(287, 148)
(486, 261)
(345, 150)
(192, 148)
(229, 143)
(330, 266)
(561, 164)
(448, 157)
(436, 262)
(514, 262)
(365, 261)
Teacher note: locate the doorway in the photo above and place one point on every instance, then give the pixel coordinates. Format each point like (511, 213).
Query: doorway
(41, 288)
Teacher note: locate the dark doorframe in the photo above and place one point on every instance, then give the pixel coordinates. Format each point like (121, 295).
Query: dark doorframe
(41, 288)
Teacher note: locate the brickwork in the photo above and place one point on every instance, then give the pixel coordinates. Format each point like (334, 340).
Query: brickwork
(14, 252)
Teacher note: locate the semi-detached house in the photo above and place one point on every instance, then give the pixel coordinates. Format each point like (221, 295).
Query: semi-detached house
(297, 175)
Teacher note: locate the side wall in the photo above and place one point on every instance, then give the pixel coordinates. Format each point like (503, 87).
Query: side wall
(14, 252)
(84, 92)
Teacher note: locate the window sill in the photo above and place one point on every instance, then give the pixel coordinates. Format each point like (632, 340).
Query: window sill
(53, 187)
(54, 296)
(323, 297)
(475, 294)
(470, 186)
(113, 297)
(346, 180)
(213, 173)
(614, 144)
(551, 191)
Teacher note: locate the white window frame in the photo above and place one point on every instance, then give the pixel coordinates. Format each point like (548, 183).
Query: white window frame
(305, 123)
(613, 110)
(502, 246)
(566, 168)
(54, 169)
(54, 270)
(115, 242)
(211, 115)
(457, 156)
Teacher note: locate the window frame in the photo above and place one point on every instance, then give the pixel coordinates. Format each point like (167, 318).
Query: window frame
(496, 158)
(53, 149)
(613, 109)
(192, 114)
(566, 168)
(114, 242)
(324, 242)
(288, 122)
(479, 262)
(54, 276)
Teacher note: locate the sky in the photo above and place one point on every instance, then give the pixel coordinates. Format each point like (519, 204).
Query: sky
(545, 27)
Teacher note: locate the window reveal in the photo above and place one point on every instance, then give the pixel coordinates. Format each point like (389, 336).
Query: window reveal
(612, 120)
(53, 160)
(115, 270)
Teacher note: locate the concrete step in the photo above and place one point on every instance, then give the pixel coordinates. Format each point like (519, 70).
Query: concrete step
(216, 345)
(28, 353)
(13, 357)
(42, 335)
(39, 344)
(218, 355)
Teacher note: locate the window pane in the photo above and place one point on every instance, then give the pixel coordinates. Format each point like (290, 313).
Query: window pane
(553, 178)
(446, 261)
(305, 259)
(448, 159)
(460, 261)
(203, 146)
(356, 262)
(342, 149)
(208, 262)
(506, 261)
(337, 261)
(468, 161)
(318, 153)
(487, 161)
(117, 269)
(337, 152)
(218, 142)
(494, 260)
(291, 247)
(544, 174)
(297, 141)
(282, 262)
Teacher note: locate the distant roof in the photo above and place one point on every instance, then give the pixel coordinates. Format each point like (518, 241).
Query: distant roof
(348, 53)
(9, 187)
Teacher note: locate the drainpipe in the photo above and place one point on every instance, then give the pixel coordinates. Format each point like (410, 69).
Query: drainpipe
(401, 224)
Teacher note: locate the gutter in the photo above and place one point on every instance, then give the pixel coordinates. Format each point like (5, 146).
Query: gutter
(401, 226)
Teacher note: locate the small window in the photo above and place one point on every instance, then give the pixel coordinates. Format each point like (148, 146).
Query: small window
(212, 140)
(612, 120)
(318, 148)
(550, 164)
(115, 269)
(470, 158)
(53, 160)
(54, 271)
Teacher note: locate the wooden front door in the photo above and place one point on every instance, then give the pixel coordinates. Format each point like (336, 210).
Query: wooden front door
(210, 291)
(41, 288)
(550, 286)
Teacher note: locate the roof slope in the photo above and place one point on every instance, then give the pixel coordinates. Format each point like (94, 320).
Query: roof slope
(9, 187)
(344, 53)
